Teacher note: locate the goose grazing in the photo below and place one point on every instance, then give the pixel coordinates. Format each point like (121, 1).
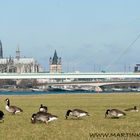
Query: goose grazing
(114, 113)
(43, 108)
(12, 109)
(134, 109)
(76, 113)
(1, 115)
(43, 117)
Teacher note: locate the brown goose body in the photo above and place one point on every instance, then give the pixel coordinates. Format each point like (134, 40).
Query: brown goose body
(76, 113)
(114, 113)
(43, 117)
(134, 109)
(12, 109)
(1, 115)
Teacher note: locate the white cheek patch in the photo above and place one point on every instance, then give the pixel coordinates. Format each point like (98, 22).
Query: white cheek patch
(42, 109)
(32, 119)
(71, 113)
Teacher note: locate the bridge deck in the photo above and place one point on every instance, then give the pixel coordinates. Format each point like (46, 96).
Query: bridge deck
(68, 75)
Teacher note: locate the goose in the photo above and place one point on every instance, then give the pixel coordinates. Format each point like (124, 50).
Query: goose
(1, 115)
(43, 108)
(114, 113)
(12, 109)
(43, 117)
(76, 113)
(134, 109)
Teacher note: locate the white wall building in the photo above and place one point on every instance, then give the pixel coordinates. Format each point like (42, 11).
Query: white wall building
(18, 64)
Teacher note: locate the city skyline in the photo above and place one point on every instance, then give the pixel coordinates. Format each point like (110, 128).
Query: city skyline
(92, 35)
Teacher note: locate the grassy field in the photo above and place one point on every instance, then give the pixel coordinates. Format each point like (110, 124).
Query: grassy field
(19, 127)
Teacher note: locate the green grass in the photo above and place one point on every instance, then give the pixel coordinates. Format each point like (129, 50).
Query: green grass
(19, 127)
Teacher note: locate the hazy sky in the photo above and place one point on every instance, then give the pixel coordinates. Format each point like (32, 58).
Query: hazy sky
(89, 35)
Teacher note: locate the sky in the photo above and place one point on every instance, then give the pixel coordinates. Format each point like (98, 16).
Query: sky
(89, 35)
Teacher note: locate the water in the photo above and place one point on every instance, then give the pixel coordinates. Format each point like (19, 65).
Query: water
(53, 92)
(40, 93)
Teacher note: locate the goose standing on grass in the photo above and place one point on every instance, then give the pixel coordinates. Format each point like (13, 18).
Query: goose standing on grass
(43, 117)
(43, 108)
(134, 109)
(12, 109)
(1, 115)
(114, 113)
(76, 113)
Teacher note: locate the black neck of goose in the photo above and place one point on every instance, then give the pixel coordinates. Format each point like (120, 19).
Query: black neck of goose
(34, 115)
(135, 107)
(106, 113)
(8, 102)
(67, 114)
(33, 119)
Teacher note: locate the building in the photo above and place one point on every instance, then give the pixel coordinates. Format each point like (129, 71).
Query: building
(18, 64)
(55, 64)
(1, 51)
(137, 68)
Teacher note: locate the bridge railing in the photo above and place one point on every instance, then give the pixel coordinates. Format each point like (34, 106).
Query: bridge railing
(69, 75)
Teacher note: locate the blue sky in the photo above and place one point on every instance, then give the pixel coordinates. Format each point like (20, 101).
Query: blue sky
(89, 35)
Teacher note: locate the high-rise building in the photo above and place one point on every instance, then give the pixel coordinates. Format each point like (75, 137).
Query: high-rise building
(1, 50)
(55, 64)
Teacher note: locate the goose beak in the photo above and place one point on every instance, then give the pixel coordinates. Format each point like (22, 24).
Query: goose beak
(105, 115)
(66, 116)
(88, 114)
(32, 120)
(6, 99)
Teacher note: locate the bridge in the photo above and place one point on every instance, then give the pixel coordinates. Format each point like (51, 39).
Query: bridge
(117, 75)
(96, 85)
(96, 80)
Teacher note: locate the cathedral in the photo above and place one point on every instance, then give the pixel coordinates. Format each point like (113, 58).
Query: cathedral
(55, 64)
(18, 64)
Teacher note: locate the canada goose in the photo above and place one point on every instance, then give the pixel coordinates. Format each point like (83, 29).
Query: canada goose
(12, 109)
(43, 117)
(114, 113)
(134, 109)
(1, 115)
(43, 108)
(76, 113)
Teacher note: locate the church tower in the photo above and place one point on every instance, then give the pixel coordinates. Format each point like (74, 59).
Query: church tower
(1, 50)
(55, 64)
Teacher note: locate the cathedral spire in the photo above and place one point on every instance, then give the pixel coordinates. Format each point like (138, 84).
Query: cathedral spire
(55, 58)
(18, 53)
(1, 50)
